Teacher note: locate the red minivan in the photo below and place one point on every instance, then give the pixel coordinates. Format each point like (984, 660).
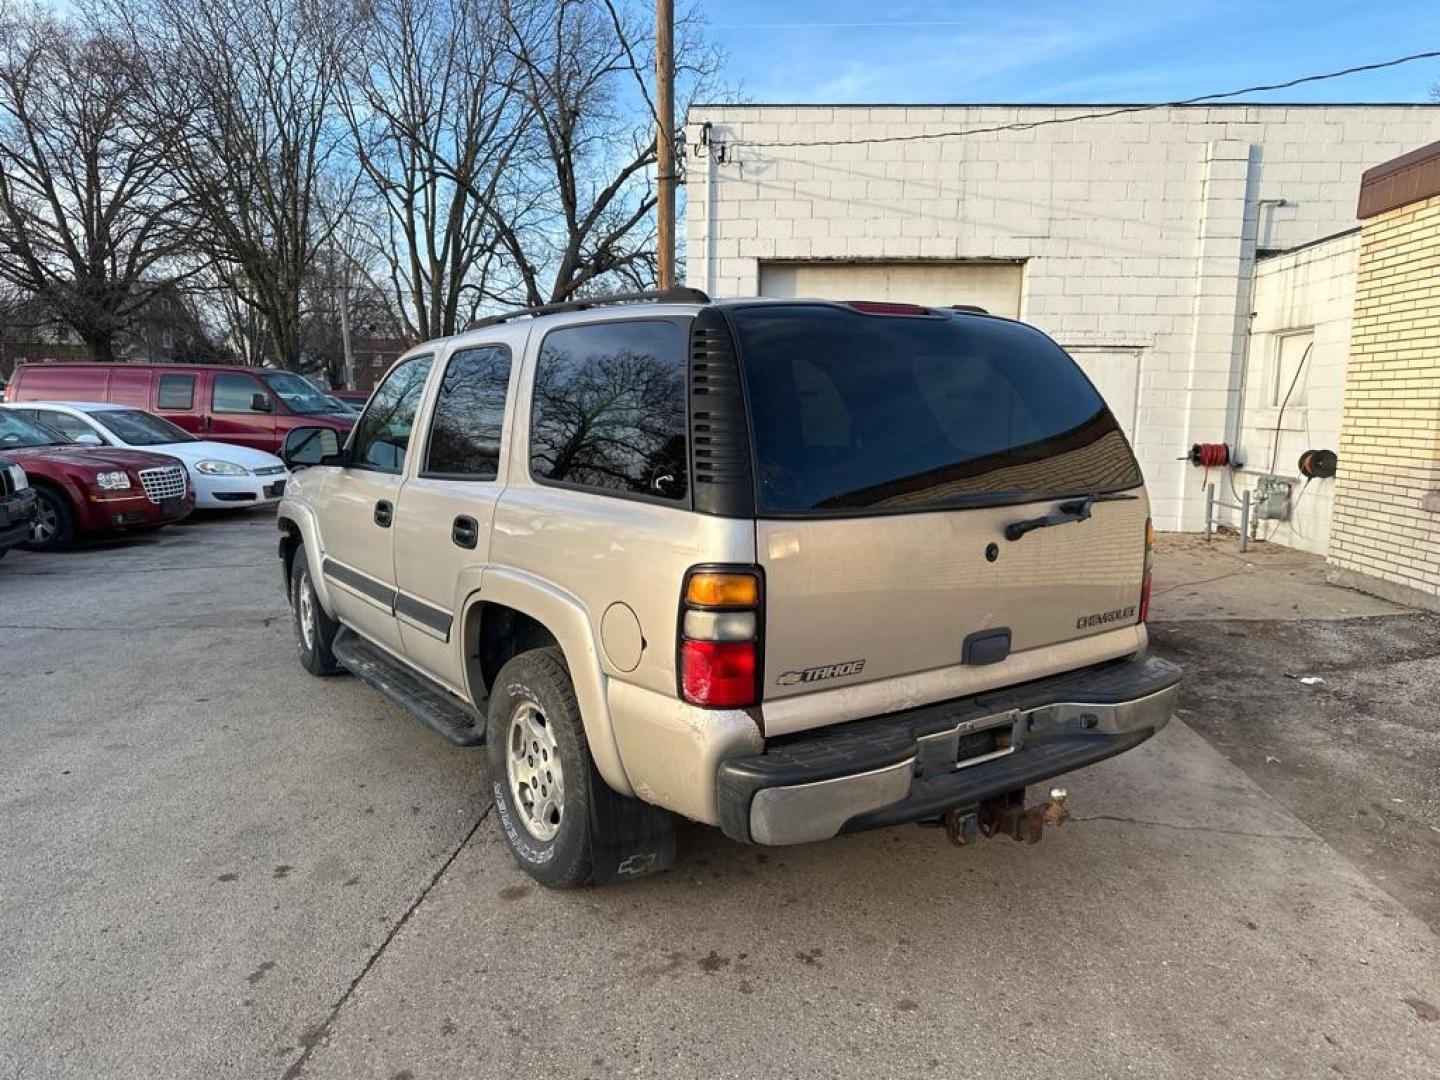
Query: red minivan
(247, 406)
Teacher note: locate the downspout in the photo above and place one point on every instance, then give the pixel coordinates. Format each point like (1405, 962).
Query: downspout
(1238, 423)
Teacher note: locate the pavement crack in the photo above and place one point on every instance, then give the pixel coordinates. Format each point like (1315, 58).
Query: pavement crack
(317, 1034)
(1199, 828)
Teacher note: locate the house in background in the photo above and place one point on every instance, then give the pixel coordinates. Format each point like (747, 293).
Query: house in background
(373, 357)
(167, 330)
(1195, 260)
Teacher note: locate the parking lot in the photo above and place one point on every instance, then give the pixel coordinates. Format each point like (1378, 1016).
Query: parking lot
(213, 864)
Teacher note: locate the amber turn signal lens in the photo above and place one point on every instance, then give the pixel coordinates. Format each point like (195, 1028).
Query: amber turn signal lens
(1149, 534)
(714, 589)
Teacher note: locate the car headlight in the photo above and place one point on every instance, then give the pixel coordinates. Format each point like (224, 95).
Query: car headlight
(113, 481)
(221, 468)
(17, 474)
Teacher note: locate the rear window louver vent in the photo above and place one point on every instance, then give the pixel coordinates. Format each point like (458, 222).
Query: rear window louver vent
(719, 434)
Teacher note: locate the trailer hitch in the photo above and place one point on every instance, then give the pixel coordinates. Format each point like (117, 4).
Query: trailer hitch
(1007, 815)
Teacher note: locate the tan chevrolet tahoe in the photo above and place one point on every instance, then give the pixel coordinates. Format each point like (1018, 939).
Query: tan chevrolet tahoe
(789, 568)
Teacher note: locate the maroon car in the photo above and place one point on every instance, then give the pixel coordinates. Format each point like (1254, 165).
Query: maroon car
(254, 407)
(92, 489)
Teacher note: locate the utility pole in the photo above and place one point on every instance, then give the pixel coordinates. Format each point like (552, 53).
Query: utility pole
(345, 329)
(665, 139)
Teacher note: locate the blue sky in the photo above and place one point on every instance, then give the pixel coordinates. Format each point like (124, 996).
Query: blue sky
(1048, 51)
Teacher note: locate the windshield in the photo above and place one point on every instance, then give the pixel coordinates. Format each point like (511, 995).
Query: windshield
(15, 431)
(861, 412)
(299, 396)
(136, 428)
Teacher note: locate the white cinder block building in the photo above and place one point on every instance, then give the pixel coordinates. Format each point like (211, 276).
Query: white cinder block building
(1132, 239)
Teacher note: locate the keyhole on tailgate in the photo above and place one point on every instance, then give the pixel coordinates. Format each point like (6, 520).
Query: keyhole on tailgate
(992, 552)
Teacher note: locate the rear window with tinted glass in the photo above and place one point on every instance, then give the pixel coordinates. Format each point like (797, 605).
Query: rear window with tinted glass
(853, 412)
(608, 409)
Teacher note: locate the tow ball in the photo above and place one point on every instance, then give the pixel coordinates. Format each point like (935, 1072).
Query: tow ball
(1007, 815)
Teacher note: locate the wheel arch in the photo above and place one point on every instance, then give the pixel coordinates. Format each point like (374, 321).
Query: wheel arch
(297, 526)
(79, 512)
(535, 613)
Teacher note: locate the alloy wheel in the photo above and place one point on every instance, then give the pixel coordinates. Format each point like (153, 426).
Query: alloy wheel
(532, 762)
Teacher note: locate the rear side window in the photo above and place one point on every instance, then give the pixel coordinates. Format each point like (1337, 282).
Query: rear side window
(853, 412)
(608, 410)
(469, 415)
(69, 426)
(176, 392)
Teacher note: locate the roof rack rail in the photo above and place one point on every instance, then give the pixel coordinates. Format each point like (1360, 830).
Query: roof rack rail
(676, 295)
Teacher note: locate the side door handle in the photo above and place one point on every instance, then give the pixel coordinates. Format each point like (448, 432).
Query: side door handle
(384, 513)
(465, 532)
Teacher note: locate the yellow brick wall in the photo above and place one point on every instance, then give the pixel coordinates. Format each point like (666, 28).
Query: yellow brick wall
(1390, 432)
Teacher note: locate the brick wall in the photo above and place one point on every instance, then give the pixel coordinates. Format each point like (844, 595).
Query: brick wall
(1137, 233)
(1385, 529)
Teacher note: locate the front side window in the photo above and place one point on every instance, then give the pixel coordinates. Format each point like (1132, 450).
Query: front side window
(298, 393)
(608, 409)
(469, 415)
(853, 412)
(176, 392)
(15, 430)
(237, 394)
(382, 434)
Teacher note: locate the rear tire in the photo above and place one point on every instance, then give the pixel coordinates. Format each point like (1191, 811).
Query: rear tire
(54, 526)
(564, 825)
(541, 796)
(314, 630)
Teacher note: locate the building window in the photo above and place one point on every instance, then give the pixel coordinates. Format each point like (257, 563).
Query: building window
(1293, 351)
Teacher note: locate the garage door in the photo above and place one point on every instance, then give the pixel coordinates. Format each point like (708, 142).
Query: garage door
(1116, 374)
(993, 286)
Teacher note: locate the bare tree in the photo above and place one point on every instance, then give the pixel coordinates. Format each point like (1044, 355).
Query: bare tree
(580, 209)
(92, 223)
(258, 81)
(437, 119)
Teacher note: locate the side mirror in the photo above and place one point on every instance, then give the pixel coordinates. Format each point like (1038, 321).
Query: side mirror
(305, 446)
(261, 403)
(88, 438)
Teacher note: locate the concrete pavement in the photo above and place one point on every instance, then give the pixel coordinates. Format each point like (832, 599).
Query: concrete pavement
(215, 865)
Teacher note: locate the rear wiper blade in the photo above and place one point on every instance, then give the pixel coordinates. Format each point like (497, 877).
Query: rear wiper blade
(1066, 512)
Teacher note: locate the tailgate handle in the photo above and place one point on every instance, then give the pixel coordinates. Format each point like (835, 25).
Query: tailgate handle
(986, 646)
(465, 532)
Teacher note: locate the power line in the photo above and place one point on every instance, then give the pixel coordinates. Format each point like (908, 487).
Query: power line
(1121, 110)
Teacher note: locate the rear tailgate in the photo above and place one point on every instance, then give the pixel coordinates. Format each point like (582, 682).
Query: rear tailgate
(888, 596)
(891, 454)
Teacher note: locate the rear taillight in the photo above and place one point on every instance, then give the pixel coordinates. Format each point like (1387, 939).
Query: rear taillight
(719, 654)
(1145, 578)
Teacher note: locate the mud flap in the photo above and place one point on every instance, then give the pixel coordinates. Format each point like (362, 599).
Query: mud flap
(628, 838)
